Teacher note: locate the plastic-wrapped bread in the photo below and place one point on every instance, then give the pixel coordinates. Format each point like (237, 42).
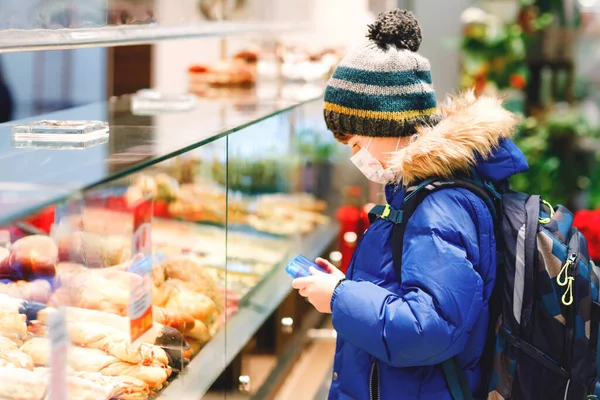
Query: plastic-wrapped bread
(154, 376)
(177, 319)
(38, 349)
(95, 386)
(8, 303)
(13, 322)
(163, 335)
(94, 250)
(200, 333)
(21, 384)
(14, 337)
(119, 387)
(94, 360)
(180, 297)
(81, 388)
(105, 289)
(29, 258)
(111, 340)
(38, 290)
(196, 276)
(7, 345)
(80, 359)
(16, 358)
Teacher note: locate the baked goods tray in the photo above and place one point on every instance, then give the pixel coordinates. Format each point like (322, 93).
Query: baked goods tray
(256, 307)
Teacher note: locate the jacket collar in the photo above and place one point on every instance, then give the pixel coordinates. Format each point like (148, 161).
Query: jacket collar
(471, 129)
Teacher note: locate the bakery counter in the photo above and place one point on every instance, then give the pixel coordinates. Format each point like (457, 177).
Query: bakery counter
(164, 248)
(254, 309)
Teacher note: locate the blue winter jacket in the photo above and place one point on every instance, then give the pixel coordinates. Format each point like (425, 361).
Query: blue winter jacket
(392, 337)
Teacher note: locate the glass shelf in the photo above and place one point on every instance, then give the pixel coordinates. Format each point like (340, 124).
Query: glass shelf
(20, 200)
(16, 40)
(135, 142)
(205, 368)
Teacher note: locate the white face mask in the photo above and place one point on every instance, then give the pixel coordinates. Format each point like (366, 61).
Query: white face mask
(371, 167)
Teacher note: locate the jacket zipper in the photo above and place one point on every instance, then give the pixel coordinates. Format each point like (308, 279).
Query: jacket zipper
(374, 382)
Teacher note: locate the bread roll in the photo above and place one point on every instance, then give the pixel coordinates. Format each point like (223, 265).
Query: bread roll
(199, 333)
(177, 319)
(38, 290)
(17, 359)
(111, 340)
(181, 298)
(197, 277)
(33, 256)
(7, 345)
(94, 360)
(13, 322)
(21, 384)
(94, 250)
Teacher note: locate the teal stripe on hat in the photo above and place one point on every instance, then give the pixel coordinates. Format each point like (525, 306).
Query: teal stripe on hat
(402, 102)
(396, 78)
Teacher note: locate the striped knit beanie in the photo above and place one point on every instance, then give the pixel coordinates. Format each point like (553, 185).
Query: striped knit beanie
(383, 88)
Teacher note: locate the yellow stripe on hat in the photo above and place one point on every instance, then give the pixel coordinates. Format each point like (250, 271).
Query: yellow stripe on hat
(392, 116)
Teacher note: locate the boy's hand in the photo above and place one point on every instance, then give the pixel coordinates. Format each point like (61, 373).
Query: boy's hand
(329, 267)
(319, 287)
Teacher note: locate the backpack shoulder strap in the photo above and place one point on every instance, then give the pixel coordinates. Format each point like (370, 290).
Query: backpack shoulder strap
(415, 196)
(456, 380)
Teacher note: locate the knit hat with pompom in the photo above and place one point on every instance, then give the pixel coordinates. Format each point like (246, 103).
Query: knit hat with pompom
(383, 88)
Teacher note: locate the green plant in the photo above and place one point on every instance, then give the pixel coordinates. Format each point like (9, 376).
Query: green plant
(559, 168)
(493, 52)
(312, 147)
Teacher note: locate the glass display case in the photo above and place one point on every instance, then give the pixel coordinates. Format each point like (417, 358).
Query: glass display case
(143, 239)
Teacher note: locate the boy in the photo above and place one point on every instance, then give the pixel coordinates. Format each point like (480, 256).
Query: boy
(394, 332)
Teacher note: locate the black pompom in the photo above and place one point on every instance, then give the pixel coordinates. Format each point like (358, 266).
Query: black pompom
(398, 28)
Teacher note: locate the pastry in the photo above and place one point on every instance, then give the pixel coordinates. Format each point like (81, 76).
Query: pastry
(13, 322)
(10, 356)
(30, 257)
(154, 376)
(111, 340)
(21, 384)
(164, 336)
(181, 298)
(105, 289)
(7, 345)
(93, 249)
(196, 277)
(177, 319)
(200, 333)
(94, 360)
(38, 290)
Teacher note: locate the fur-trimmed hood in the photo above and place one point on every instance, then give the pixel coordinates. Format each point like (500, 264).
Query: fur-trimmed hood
(474, 132)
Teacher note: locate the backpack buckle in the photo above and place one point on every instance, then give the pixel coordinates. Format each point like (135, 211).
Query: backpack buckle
(386, 211)
(391, 214)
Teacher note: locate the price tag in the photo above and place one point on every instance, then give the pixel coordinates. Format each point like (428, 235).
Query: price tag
(140, 302)
(59, 343)
(142, 227)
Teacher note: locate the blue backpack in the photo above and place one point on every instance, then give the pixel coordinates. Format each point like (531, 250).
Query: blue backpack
(544, 311)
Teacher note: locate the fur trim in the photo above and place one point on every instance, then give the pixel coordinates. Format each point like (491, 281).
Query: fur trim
(470, 126)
